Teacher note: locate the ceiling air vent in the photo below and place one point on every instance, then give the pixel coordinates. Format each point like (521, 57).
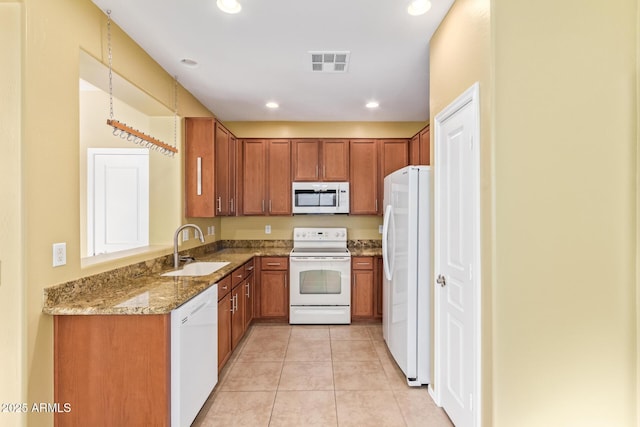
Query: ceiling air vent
(329, 62)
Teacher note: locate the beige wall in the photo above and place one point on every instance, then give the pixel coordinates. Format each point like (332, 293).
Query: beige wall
(565, 173)
(558, 198)
(358, 227)
(12, 292)
(460, 55)
(54, 34)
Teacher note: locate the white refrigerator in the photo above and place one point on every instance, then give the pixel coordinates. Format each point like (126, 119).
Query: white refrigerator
(406, 246)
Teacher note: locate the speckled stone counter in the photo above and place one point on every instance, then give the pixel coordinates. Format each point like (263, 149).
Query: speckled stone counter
(141, 289)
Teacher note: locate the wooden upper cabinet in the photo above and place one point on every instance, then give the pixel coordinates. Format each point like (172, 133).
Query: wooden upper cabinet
(335, 160)
(419, 148)
(363, 172)
(266, 177)
(414, 150)
(233, 175)
(210, 168)
(425, 146)
(394, 155)
(306, 160)
(223, 170)
(199, 167)
(320, 160)
(279, 177)
(254, 169)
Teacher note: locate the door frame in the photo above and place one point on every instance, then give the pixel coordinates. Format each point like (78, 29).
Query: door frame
(469, 96)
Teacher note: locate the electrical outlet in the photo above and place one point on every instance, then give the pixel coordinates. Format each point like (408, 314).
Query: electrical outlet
(267, 229)
(213, 230)
(380, 229)
(185, 235)
(59, 254)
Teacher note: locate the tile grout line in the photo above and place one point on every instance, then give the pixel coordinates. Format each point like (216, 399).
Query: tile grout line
(333, 373)
(275, 396)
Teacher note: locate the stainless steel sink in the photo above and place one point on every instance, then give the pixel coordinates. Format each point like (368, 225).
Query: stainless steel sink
(197, 269)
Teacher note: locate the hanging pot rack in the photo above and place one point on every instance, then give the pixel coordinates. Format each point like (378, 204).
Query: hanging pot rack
(127, 132)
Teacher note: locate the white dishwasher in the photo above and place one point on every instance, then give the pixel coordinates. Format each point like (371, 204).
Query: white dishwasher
(194, 355)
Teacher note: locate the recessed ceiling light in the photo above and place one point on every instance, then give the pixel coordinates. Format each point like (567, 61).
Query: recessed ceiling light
(229, 6)
(272, 105)
(189, 63)
(372, 104)
(419, 7)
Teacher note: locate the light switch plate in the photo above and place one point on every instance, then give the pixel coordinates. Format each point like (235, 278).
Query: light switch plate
(380, 229)
(267, 229)
(59, 254)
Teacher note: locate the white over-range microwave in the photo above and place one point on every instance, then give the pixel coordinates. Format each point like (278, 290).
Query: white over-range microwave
(320, 197)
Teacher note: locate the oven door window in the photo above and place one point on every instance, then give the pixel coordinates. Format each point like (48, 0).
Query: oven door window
(320, 282)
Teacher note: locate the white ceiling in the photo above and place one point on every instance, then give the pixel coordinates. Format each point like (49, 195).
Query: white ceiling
(261, 54)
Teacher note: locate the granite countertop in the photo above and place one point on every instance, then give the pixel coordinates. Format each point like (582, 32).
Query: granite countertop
(365, 251)
(149, 293)
(141, 288)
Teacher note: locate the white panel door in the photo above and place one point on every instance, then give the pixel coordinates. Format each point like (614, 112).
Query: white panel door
(456, 249)
(119, 214)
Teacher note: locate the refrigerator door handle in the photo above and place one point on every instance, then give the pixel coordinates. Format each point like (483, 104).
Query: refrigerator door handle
(388, 241)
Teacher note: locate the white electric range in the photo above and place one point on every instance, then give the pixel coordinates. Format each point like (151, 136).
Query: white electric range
(320, 277)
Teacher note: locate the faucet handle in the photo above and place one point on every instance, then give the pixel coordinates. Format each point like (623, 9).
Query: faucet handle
(187, 259)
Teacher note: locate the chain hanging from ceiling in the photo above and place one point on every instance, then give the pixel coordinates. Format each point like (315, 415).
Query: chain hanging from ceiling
(134, 135)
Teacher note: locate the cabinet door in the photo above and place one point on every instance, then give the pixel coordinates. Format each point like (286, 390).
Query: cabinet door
(394, 155)
(233, 166)
(363, 170)
(237, 315)
(222, 170)
(199, 167)
(335, 160)
(279, 177)
(362, 287)
(248, 301)
(362, 294)
(306, 159)
(273, 293)
(224, 330)
(414, 150)
(253, 177)
(425, 146)
(378, 272)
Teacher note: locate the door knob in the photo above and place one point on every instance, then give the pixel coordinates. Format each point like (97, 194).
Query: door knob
(441, 280)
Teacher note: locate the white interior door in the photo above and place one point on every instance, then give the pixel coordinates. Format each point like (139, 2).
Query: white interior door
(457, 266)
(118, 195)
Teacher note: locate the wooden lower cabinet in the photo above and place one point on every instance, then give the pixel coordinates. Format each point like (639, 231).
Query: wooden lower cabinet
(224, 330)
(274, 288)
(362, 288)
(248, 300)
(113, 370)
(237, 314)
(379, 276)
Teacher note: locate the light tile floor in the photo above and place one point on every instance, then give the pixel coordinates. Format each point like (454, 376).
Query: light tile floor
(283, 375)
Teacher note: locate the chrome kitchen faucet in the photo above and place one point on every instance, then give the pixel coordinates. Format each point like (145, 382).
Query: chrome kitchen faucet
(176, 259)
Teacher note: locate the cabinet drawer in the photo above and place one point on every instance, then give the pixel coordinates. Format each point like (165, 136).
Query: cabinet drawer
(274, 263)
(224, 287)
(362, 263)
(248, 267)
(237, 276)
